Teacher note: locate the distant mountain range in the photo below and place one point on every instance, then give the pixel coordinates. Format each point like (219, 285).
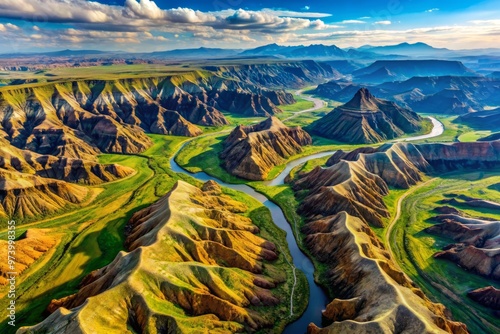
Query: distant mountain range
(311, 51)
(392, 70)
(415, 49)
(314, 51)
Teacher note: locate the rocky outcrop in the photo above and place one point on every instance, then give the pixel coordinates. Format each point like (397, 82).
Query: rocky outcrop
(79, 119)
(195, 263)
(344, 184)
(29, 247)
(60, 168)
(341, 201)
(31, 184)
(477, 241)
(489, 297)
(344, 187)
(366, 119)
(406, 69)
(24, 195)
(80, 171)
(289, 74)
(447, 101)
(485, 119)
(371, 294)
(252, 151)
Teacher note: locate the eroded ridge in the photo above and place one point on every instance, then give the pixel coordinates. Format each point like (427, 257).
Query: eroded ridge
(195, 263)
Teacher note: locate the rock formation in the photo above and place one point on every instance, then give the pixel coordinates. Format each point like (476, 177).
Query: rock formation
(485, 119)
(344, 184)
(342, 200)
(252, 151)
(24, 195)
(79, 119)
(447, 101)
(371, 294)
(366, 119)
(195, 263)
(477, 241)
(29, 183)
(489, 297)
(29, 247)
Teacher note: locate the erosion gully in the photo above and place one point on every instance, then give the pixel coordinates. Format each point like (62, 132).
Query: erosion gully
(317, 296)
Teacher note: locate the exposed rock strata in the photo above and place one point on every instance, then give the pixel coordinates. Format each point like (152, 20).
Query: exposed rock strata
(366, 119)
(252, 151)
(24, 195)
(194, 264)
(371, 294)
(400, 165)
(29, 247)
(489, 297)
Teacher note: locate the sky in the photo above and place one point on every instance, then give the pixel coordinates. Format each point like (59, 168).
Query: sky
(156, 25)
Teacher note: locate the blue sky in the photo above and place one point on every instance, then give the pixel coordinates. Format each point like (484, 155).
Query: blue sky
(152, 25)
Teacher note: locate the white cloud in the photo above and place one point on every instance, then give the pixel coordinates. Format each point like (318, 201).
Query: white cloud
(432, 10)
(289, 13)
(352, 22)
(58, 10)
(306, 8)
(8, 27)
(485, 22)
(384, 23)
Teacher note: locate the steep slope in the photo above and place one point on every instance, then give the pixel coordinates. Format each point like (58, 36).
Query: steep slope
(485, 119)
(366, 119)
(251, 152)
(489, 297)
(61, 168)
(79, 119)
(29, 247)
(383, 74)
(477, 241)
(406, 69)
(371, 294)
(291, 74)
(29, 183)
(447, 101)
(356, 181)
(24, 195)
(194, 264)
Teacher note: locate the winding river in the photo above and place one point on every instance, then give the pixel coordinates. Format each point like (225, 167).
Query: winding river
(317, 297)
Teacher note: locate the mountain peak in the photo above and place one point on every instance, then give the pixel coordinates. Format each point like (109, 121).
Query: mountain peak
(362, 101)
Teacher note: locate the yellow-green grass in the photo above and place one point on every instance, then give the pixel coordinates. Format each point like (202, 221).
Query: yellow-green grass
(441, 280)
(84, 250)
(307, 118)
(97, 72)
(202, 155)
(95, 234)
(299, 105)
(472, 136)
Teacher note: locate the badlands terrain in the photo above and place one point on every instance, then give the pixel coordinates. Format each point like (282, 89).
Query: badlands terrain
(305, 189)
